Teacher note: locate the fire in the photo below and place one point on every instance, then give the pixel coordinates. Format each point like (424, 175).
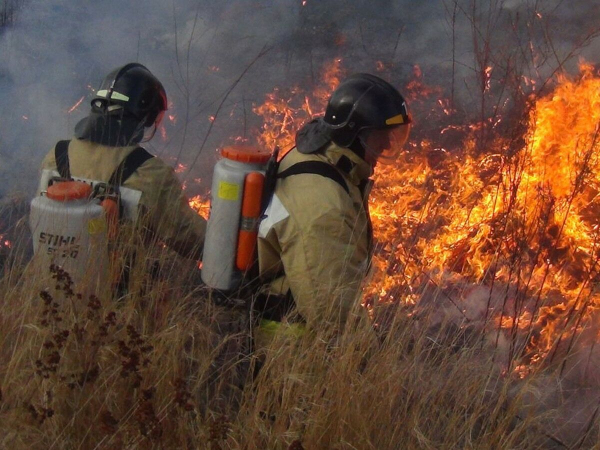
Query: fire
(169, 123)
(528, 220)
(283, 113)
(487, 77)
(417, 89)
(523, 219)
(200, 204)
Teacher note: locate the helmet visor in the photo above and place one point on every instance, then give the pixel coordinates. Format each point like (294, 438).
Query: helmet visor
(384, 145)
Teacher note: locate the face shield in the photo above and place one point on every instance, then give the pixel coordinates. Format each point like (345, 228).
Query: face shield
(384, 145)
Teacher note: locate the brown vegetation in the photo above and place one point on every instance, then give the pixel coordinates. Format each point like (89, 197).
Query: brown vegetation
(163, 367)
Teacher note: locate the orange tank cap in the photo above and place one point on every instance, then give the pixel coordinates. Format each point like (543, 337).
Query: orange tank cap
(243, 153)
(69, 190)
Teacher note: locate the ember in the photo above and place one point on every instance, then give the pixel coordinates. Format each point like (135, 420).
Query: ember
(5, 242)
(76, 105)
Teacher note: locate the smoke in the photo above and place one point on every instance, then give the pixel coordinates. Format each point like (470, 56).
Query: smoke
(566, 399)
(57, 52)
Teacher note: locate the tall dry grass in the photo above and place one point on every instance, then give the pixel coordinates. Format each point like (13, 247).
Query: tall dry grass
(164, 367)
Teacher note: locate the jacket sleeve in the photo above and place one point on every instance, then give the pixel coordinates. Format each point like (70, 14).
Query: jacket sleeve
(325, 261)
(166, 209)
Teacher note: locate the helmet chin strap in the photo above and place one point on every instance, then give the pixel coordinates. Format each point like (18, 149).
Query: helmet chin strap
(112, 108)
(149, 138)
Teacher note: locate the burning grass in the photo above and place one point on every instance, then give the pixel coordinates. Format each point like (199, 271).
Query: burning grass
(520, 218)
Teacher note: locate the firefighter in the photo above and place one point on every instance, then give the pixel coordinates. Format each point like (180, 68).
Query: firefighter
(315, 240)
(129, 106)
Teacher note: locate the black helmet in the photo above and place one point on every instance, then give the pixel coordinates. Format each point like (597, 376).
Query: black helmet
(129, 99)
(363, 101)
(360, 106)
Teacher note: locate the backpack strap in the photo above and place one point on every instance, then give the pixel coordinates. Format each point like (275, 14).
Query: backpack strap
(61, 156)
(318, 168)
(270, 180)
(128, 166)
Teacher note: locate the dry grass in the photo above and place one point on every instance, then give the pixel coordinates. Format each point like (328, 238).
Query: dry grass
(165, 368)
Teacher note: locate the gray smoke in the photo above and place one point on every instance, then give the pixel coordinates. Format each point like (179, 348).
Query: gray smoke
(57, 50)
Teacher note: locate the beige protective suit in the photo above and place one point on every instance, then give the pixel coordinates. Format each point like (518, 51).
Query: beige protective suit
(315, 238)
(165, 207)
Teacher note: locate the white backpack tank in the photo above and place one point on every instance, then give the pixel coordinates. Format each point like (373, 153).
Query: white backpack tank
(232, 227)
(70, 230)
(128, 198)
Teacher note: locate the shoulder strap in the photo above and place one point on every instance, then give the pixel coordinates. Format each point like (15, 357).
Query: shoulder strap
(317, 168)
(129, 165)
(270, 180)
(61, 155)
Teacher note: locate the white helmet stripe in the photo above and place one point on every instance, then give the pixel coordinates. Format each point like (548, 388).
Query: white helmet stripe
(118, 96)
(115, 95)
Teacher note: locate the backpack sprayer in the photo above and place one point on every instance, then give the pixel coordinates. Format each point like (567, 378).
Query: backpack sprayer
(235, 212)
(71, 223)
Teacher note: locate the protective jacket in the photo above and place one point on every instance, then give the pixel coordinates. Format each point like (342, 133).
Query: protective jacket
(314, 241)
(165, 208)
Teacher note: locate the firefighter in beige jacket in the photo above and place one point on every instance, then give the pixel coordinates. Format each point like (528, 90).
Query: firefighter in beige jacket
(315, 239)
(165, 207)
(105, 150)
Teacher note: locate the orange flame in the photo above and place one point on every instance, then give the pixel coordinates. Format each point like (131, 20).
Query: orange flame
(531, 219)
(200, 204)
(417, 90)
(284, 112)
(487, 78)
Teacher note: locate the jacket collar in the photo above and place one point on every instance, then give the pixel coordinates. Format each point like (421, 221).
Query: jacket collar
(349, 162)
